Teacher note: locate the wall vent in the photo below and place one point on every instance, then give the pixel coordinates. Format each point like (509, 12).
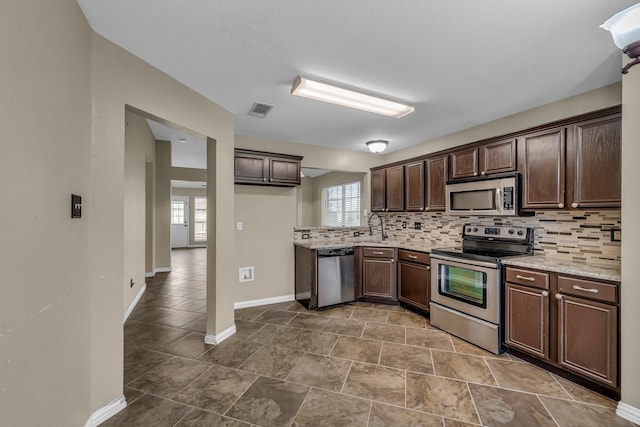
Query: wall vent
(260, 110)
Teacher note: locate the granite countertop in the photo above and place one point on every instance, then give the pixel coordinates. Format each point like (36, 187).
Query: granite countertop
(418, 245)
(602, 271)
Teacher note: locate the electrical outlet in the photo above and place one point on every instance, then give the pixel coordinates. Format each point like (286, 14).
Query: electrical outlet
(305, 236)
(616, 235)
(356, 234)
(404, 224)
(246, 274)
(417, 225)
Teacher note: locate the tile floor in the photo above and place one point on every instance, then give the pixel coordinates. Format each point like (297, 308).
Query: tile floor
(357, 365)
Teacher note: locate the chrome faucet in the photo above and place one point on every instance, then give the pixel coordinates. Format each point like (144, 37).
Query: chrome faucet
(384, 236)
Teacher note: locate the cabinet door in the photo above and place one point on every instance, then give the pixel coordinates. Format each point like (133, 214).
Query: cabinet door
(284, 171)
(527, 319)
(463, 163)
(594, 164)
(378, 278)
(588, 338)
(498, 157)
(395, 188)
(378, 190)
(251, 168)
(436, 181)
(413, 284)
(541, 162)
(414, 186)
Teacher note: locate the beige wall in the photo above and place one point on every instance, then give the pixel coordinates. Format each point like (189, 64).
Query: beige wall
(120, 79)
(630, 289)
(45, 105)
(162, 209)
(268, 215)
(305, 202)
(607, 96)
(191, 193)
(139, 142)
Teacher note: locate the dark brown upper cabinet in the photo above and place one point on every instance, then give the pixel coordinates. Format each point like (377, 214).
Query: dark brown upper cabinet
(262, 168)
(378, 190)
(395, 188)
(436, 181)
(414, 186)
(541, 157)
(594, 163)
(463, 163)
(498, 157)
(487, 159)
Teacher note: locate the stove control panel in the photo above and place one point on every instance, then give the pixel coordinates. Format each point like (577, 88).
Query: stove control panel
(493, 231)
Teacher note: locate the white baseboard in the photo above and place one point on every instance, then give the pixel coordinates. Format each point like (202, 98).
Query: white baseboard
(264, 301)
(106, 412)
(134, 303)
(217, 339)
(157, 270)
(628, 412)
(197, 246)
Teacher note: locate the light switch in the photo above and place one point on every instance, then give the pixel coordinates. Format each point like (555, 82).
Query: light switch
(239, 225)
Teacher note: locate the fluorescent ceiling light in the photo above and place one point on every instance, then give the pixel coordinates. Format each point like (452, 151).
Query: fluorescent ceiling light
(326, 92)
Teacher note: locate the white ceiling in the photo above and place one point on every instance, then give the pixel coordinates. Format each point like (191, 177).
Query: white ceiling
(459, 62)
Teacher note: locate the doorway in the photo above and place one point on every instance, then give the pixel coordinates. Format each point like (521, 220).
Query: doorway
(179, 222)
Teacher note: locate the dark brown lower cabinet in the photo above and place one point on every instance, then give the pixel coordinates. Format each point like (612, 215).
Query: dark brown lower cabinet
(569, 323)
(587, 332)
(414, 279)
(378, 275)
(527, 319)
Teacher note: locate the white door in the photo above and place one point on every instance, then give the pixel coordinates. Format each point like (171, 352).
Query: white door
(179, 222)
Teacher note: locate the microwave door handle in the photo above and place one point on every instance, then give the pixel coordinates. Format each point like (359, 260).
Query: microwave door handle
(498, 200)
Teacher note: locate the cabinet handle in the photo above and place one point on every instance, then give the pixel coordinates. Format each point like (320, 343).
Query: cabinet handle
(428, 267)
(264, 179)
(580, 288)
(574, 205)
(545, 293)
(561, 205)
(392, 260)
(483, 173)
(378, 253)
(528, 279)
(413, 257)
(558, 296)
(426, 209)
(475, 174)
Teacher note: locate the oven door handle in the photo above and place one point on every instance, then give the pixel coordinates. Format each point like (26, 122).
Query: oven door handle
(464, 261)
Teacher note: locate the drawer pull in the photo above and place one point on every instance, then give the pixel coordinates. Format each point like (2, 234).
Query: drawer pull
(561, 205)
(545, 293)
(528, 279)
(574, 205)
(413, 256)
(580, 288)
(558, 296)
(378, 253)
(428, 267)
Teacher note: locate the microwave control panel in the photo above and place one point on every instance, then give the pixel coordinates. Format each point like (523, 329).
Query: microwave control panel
(507, 199)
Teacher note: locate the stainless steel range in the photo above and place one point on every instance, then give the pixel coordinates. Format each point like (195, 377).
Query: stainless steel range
(466, 283)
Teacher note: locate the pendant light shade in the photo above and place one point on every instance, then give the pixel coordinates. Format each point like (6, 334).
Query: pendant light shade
(625, 30)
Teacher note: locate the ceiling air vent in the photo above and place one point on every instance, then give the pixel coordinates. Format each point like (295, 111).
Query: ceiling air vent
(260, 110)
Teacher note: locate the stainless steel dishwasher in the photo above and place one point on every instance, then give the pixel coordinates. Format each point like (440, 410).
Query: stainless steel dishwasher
(336, 276)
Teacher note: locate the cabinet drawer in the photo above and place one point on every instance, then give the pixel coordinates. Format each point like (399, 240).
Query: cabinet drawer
(528, 278)
(377, 252)
(413, 256)
(598, 291)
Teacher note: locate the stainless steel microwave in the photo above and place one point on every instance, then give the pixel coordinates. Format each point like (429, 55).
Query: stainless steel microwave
(497, 195)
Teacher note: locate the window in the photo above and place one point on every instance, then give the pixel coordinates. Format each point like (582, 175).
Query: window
(177, 212)
(341, 205)
(200, 219)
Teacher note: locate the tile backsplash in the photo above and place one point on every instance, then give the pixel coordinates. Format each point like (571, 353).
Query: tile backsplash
(578, 235)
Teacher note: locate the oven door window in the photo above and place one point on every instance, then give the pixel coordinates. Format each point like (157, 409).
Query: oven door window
(463, 284)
